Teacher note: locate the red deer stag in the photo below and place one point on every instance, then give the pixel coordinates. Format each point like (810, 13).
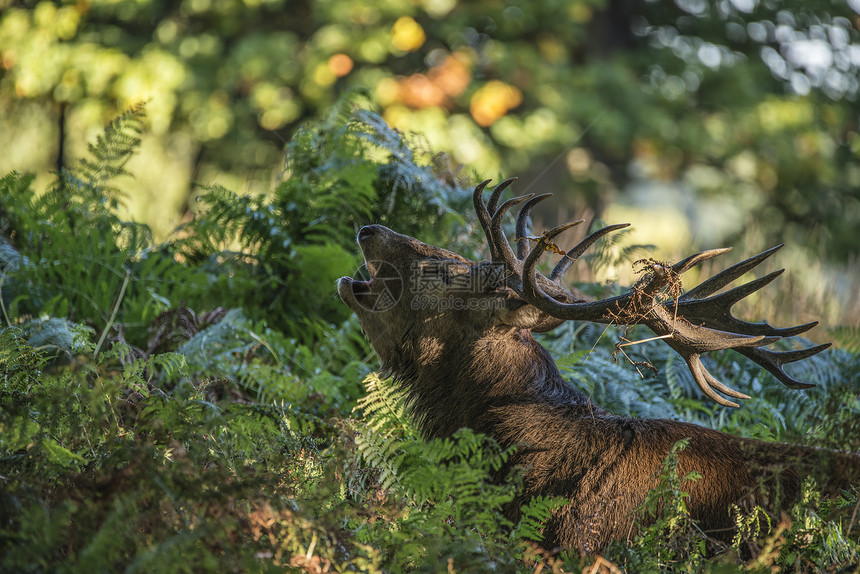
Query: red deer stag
(456, 334)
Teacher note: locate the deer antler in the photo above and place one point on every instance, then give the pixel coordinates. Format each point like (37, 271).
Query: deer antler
(693, 323)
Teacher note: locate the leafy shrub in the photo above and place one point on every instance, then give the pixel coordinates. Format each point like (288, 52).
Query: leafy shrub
(346, 171)
(69, 254)
(197, 405)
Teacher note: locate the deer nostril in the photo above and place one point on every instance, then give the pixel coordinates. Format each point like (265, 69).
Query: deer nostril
(365, 232)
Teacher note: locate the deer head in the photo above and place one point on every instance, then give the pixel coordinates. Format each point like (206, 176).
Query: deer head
(423, 301)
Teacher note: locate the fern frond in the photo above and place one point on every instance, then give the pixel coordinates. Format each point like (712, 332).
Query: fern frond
(384, 407)
(535, 514)
(20, 363)
(110, 154)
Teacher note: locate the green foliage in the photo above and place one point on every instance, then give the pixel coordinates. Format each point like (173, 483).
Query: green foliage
(346, 171)
(182, 468)
(72, 256)
(388, 432)
(750, 526)
(110, 154)
(814, 538)
(818, 531)
(187, 406)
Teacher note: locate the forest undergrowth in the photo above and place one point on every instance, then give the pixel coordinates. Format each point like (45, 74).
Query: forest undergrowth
(208, 404)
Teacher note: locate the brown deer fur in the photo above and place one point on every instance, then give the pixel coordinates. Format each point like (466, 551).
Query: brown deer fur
(478, 366)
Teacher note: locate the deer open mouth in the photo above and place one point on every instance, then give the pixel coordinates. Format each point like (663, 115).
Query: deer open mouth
(380, 292)
(350, 287)
(378, 285)
(355, 291)
(363, 279)
(374, 294)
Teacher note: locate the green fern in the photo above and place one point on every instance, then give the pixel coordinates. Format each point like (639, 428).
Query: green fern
(21, 364)
(535, 514)
(383, 441)
(819, 530)
(109, 156)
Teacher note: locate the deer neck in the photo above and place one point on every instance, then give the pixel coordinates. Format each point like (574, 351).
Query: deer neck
(461, 382)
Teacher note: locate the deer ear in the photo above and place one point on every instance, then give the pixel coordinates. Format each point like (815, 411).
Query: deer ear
(518, 313)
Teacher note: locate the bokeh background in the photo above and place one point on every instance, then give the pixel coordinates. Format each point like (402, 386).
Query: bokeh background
(704, 124)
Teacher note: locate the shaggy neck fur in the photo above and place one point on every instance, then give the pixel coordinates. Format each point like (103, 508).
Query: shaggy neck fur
(446, 393)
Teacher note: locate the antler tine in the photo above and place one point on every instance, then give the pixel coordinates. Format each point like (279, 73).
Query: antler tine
(522, 222)
(482, 212)
(707, 383)
(773, 361)
(558, 229)
(503, 209)
(685, 265)
(534, 293)
(723, 278)
(576, 252)
(478, 200)
(717, 312)
(506, 254)
(497, 193)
